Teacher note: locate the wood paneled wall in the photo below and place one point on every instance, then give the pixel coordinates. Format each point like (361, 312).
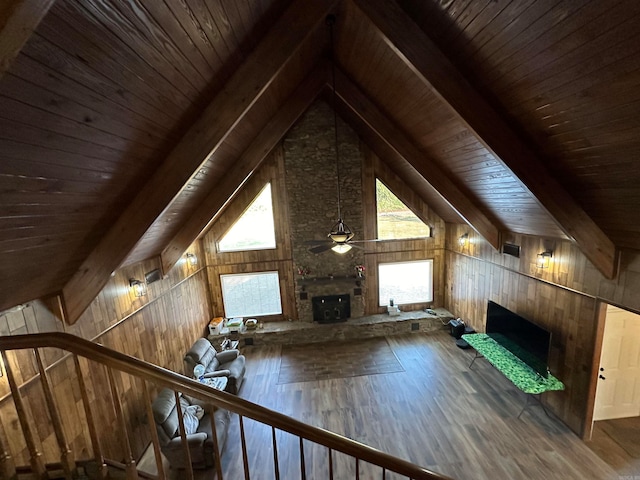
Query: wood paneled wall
(278, 259)
(398, 250)
(563, 298)
(158, 328)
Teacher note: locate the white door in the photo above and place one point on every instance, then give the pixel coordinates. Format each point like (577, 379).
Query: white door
(618, 391)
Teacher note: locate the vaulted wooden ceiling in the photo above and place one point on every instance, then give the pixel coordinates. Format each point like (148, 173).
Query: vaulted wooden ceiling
(125, 125)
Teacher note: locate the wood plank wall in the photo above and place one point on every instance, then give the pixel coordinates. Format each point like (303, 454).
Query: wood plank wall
(398, 250)
(278, 259)
(563, 298)
(176, 308)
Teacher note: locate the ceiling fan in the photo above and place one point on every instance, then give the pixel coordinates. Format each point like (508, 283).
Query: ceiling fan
(339, 238)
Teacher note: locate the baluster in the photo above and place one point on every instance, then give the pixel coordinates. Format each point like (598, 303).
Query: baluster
(216, 445)
(7, 465)
(66, 455)
(357, 469)
(183, 435)
(37, 463)
(130, 463)
(245, 459)
(330, 464)
(103, 470)
(384, 473)
(303, 469)
(152, 428)
(276, 466)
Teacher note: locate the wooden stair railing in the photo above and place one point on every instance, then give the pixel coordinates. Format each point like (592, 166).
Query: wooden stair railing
(161, 377)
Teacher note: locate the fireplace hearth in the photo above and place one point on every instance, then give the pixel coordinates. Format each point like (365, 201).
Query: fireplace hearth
(331, 308)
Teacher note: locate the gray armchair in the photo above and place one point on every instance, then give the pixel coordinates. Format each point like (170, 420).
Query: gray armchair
(200, 443)
(228, 363)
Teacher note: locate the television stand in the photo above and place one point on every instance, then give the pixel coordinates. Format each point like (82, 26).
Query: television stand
(519, 373)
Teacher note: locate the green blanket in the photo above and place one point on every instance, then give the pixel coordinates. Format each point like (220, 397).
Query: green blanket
(521, 374)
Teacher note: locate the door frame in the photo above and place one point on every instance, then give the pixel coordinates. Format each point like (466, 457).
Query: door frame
(600, 319)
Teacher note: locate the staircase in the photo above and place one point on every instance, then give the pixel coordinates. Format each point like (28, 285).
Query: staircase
(151, 378)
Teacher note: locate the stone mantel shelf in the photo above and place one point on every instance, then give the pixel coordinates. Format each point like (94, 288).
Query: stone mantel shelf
(324, 280)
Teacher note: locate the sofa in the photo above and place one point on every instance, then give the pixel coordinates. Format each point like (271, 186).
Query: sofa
(228, 363)
(200, 442)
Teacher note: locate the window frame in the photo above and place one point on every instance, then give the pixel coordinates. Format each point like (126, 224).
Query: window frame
(377, 179)
(428, 301)
(251, 274)
(273, 216)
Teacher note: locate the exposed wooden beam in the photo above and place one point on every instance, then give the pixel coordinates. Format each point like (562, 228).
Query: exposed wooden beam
(398, 164)
(420, 54)
(262, 145)
(386, 132)
(228, 108)
(18, 20)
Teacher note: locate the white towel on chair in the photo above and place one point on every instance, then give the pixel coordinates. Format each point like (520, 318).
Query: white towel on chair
(192, 415)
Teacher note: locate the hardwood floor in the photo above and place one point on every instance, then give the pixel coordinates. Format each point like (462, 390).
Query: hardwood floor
(617, 442)
(436, 413)
(339, 360)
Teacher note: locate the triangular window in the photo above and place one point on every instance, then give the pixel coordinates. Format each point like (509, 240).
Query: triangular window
(395, 219)
(254, 229)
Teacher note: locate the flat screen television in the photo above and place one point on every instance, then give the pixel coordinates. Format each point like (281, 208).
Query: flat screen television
(526, 340)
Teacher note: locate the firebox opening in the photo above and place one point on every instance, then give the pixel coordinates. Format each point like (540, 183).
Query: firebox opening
(331, 308)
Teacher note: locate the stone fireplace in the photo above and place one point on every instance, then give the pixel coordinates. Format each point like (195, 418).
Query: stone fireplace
(311, 178)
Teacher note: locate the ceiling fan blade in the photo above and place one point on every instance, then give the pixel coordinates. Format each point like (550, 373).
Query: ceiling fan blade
(318, 242)
(320, 248)
(370, 241)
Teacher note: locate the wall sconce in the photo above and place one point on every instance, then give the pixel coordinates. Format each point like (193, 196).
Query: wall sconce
(463, 241)
(137, 287)
(544, 259)
(192, 260)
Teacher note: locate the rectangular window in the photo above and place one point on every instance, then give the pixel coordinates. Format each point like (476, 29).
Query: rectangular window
(405, 282)
(251, 294)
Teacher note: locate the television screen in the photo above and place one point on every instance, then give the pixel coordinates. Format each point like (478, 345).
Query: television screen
(523, 338)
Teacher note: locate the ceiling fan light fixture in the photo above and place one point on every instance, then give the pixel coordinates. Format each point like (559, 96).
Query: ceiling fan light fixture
(340, 232)
(338, 237)
(341, 248)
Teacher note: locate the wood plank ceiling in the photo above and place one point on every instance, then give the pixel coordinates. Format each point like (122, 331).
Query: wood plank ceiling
(118, 119)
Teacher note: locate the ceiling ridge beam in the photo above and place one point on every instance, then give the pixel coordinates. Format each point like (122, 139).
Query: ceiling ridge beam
(18, 21)
(426, 60)
(248, 83)
(262, 145)
(386, 131)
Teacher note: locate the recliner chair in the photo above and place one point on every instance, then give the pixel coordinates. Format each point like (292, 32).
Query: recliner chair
(165, 414)
(228, 363)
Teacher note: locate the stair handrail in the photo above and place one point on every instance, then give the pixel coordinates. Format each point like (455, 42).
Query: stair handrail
(174, 381)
